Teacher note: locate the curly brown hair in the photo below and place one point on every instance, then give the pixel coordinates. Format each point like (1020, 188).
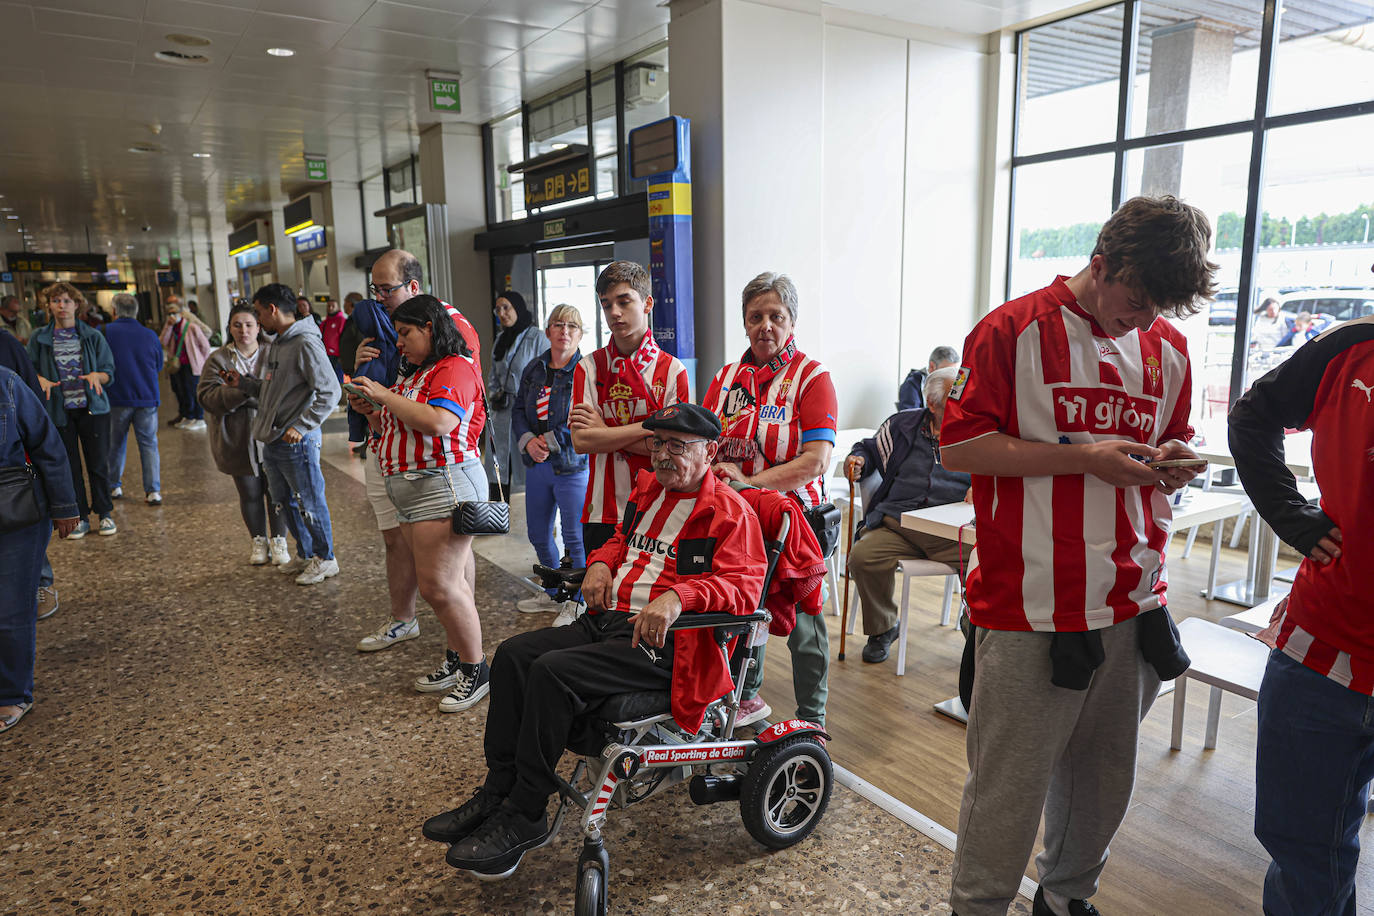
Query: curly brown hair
(54, 289)
(1158, 245)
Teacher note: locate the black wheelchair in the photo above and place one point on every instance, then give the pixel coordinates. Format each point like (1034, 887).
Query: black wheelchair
(631, 749)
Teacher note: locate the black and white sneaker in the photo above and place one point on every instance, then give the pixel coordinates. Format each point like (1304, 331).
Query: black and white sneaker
(458, 824)
(441, 678)
(471, 683)
(495, 848)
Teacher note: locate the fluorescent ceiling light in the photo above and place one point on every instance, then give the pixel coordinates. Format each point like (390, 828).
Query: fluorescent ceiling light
(281, 52)
(11, 217)
(200, 155)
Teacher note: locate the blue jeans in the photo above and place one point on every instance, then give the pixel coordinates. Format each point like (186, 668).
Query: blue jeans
(144, 422)
(21, 557)
(1313, 765)
(546, 491)
(297, 487)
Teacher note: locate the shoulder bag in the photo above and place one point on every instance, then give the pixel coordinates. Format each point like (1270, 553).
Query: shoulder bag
(19, 498)
(481, 516)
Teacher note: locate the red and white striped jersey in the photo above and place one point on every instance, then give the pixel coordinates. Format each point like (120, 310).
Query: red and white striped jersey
(611, 475)
(650, 565)
(452, 384)
(797, 406)
(468, 333)
(1070, 552)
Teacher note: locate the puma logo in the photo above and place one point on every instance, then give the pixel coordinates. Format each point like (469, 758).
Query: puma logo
(1363, 387)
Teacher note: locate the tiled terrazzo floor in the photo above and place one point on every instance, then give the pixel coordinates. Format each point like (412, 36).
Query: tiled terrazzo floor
(207, 740)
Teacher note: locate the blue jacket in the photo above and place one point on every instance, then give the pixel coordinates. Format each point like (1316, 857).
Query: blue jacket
(138, 360)
(26, 429)
(95, 357)
(525, 416)
(13, 356)
(903, 434)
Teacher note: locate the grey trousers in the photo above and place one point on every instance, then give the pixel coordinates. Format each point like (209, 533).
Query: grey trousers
(1034, 746)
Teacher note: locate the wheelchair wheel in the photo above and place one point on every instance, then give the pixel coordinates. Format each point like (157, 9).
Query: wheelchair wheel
(786, 791)
(591, 891)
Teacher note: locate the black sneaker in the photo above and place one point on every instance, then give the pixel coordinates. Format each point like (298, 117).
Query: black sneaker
(452, 826)
(876, 650)
(441, 678)
(498, 844)
(470, 684)
(1076, 907)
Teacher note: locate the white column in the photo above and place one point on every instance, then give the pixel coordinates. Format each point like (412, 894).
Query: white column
(344, 215)
(451, 174)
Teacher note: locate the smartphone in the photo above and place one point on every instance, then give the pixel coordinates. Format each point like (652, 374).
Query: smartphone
(1178, 463)
(355, 390)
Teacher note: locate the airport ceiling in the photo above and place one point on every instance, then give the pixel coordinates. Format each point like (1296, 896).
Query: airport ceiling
(170, 114)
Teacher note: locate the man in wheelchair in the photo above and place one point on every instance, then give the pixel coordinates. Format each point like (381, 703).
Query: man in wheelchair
(687, 544)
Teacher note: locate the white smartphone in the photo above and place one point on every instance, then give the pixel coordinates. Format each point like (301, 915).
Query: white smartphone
(1178, 463)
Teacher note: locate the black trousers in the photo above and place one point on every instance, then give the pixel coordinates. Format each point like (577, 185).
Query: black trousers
(184, 383)
(596, 534)
(89, 434)
(542, 680)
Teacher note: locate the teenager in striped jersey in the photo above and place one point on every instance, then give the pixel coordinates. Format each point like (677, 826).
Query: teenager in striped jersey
(613, 390)
(1063, 397)
(777, 410)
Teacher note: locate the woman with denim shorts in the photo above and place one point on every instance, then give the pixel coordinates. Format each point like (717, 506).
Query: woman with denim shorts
(430, 424)
(555, 475)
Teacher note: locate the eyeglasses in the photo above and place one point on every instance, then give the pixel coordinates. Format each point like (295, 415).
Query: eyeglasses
(565, 326)
(674, 446)
(383, 290)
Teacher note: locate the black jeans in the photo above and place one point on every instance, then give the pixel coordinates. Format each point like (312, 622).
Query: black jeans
(88, 434)
(256, 507)
(542, 680)
(184, 383)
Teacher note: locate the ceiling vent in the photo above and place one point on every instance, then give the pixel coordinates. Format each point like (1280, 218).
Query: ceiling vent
(188, 41)
(182, 59)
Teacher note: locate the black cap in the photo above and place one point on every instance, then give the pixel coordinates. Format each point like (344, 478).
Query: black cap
(685, 418)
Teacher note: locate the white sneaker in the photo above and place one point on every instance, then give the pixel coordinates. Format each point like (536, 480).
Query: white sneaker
(259, 554)
(317, 570)
(281, 554)
(107, 526)
(154, 498)
(193, 424)
(390, 633)
(537, 604)
(570, 611)
(117, 493)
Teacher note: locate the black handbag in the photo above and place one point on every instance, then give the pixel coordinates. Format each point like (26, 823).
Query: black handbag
(825, 522)
(19, 506)
(481, 516)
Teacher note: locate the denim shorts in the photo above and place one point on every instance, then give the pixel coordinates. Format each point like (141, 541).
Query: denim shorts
(430, 494)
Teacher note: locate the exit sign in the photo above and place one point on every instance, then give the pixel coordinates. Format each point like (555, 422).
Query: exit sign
(443, 96)
(316, 168)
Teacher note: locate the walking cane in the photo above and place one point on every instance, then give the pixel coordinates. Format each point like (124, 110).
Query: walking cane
(849, 548)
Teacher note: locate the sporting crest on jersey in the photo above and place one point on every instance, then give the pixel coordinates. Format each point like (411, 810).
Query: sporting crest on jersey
(1153, 371)
(784, 386)
(622, 402)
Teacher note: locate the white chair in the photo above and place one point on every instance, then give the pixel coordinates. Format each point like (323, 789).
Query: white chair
(1223, 659)
(1209, 506)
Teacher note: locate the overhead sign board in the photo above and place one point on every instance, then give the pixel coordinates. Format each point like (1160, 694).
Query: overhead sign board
(311, 239)
(40, 262)
(443, 95)
(556, 183)
(316, 168)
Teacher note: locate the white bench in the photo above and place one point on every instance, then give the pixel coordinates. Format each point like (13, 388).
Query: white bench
(1222, 658)
(1255, 619)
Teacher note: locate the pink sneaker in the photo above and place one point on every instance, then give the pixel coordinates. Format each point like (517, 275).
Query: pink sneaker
(751, 711)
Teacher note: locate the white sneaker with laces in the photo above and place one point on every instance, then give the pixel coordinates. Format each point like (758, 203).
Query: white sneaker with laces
(154, 498)
(537, 604)
(570, 611)
(317, 570)
(258, 556)
(389, 633)
(281, 554)
(107, 526)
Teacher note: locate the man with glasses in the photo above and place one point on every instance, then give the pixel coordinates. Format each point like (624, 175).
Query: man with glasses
(396, 278)
(687, 544)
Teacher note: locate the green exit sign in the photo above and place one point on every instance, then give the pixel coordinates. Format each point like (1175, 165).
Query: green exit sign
(443, 96)
(316, 169)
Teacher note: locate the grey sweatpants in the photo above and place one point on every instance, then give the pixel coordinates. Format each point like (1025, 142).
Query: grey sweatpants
(1034, 746)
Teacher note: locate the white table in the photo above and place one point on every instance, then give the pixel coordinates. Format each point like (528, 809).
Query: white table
(1255, 588)
(952, 521)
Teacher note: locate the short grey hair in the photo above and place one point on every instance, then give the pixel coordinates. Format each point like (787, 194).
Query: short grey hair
(944, 356)
(769, 282)
(941, 381)
(125, 305)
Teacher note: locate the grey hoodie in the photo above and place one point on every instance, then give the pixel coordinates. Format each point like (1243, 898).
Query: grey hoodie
(297, 388)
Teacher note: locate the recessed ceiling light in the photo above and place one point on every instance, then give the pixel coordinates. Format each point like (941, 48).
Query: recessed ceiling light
(281, 52)
(200, 155)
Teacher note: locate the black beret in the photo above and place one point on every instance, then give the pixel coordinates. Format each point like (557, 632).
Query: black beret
(685, 418)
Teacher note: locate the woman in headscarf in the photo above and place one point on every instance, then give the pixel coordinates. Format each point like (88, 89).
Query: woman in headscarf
(518, 343)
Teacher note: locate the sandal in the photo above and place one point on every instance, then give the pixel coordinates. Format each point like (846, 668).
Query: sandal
(10, 721)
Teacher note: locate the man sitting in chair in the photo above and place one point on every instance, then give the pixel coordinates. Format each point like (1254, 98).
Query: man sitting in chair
(905, 452)
(687, 544)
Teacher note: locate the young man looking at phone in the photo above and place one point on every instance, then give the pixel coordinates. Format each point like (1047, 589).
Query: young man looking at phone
(615, 388)
(1061, 395)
